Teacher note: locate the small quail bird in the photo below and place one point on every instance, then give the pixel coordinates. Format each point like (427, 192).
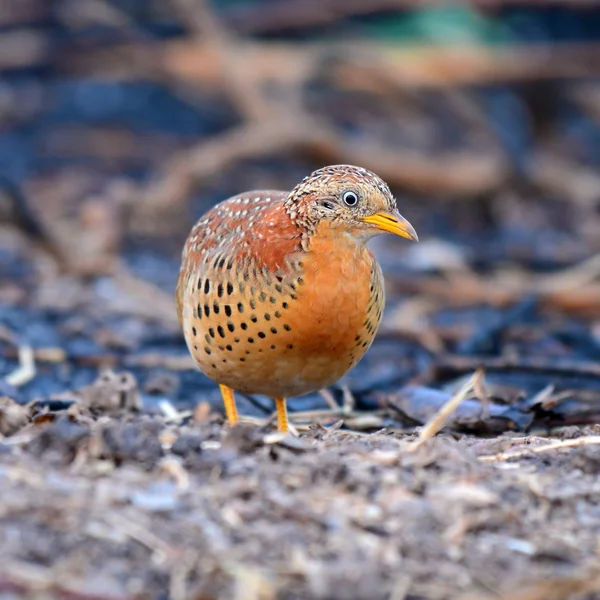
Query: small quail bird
(278, 293)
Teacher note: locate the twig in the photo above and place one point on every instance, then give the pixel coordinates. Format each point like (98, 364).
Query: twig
(240, 85)
(161, 549)
(572, 277)
(437, 422)
(328, 396)
(498, 291)
(555, 367)
(362, 63)
(26, 371)
(349, 401)
(152, 302)
(556, 445)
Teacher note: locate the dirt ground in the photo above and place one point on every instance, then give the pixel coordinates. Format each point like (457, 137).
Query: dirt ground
(95, 504)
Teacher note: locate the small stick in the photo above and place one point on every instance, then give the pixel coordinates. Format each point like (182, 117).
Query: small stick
(25, 372)
(349, 401)
(482, 395)
(438, 420)
(328, 396)
(588, 440)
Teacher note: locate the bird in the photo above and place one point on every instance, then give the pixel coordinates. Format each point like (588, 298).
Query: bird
(278, 293)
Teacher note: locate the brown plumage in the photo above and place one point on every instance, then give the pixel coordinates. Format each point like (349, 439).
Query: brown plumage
(277, 293)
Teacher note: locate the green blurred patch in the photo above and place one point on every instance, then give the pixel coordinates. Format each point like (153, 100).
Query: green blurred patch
(445, 25)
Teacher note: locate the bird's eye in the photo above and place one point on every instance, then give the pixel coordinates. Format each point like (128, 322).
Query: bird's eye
(350, 198)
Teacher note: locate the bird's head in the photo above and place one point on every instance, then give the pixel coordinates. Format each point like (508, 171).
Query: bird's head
(349, 199)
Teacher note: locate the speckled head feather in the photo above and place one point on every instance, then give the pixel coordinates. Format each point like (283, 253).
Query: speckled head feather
(334, 177)
(323, 197)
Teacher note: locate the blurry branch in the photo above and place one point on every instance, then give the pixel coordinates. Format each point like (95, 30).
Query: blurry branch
(572, 290)
(15, 211)
(19, 12)
(565, 178)
(22, 48)
(361, 64)
(238, 82)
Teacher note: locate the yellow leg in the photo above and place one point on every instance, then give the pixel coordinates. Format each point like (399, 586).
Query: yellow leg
(282, 418)
(230, 408)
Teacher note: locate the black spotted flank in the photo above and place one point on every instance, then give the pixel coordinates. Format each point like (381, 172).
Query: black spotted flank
(240, 307)
(207, 310)
(229, 288)
(221, 331)
(207, 286)
(227, 310)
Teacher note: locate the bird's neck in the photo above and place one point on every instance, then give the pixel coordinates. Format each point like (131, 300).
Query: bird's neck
(334, 241)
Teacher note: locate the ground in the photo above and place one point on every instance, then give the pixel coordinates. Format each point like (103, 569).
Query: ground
(127, 505)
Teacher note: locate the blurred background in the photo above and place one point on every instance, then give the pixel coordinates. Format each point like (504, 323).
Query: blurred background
(121, 122)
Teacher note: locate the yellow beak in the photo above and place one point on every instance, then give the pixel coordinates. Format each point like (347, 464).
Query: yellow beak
(393, 223)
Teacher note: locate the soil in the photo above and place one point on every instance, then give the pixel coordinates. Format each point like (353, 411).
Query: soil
(127, 505)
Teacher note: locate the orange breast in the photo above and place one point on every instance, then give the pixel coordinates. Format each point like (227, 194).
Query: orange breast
(338, 311)
(283, 331)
